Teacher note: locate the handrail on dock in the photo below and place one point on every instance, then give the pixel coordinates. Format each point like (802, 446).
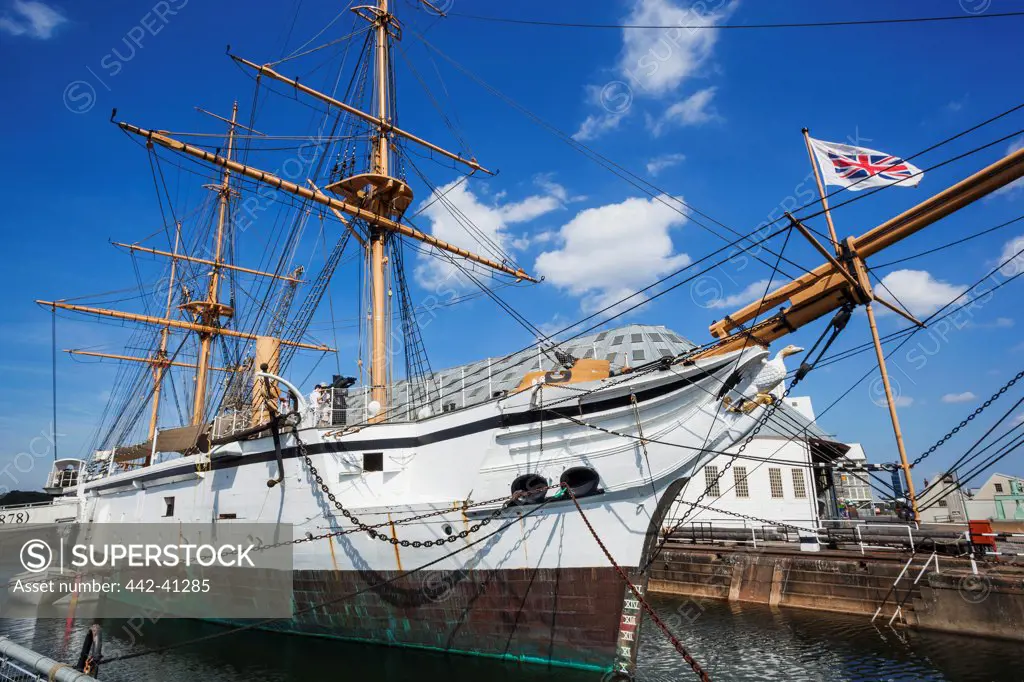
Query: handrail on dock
(21, 664)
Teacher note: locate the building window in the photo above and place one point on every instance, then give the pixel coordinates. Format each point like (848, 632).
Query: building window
(655, 337)
(373, 461)
(711, 480)
(589, 354)
(617, 341)
(775, 479)
(739, 475)
(999, 487)
(602, 336)
(168, 506)
(610, 357)
(636, 338)
(638, 354)
(799, 485)
(943, 503)
(665, 352)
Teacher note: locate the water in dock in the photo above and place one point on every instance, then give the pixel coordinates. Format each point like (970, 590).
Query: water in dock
(735, 642)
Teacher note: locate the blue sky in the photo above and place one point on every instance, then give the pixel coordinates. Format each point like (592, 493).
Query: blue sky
(713, 117)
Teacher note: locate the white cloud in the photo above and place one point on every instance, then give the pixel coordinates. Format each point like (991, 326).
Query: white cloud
(751, 293)
(964, 397)
(658, 60)
(1012, 256)
(921, 293)
(596, 125)
(529, 208)
(611, 251)
(1016, 188)
(903, 400)
(664, 162)
(956, 105)
(694, 110)
(998, 323)
(491, 221)
(33, 19)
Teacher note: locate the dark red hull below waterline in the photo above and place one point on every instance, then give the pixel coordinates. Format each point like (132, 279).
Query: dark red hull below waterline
(563, 617)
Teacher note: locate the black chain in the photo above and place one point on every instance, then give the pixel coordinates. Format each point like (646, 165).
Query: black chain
(372, 531)
(768, 414)
(748, 517)
(970, 418)
(835, 327)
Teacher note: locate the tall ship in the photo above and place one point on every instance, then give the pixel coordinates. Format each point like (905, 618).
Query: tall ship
(511, 511)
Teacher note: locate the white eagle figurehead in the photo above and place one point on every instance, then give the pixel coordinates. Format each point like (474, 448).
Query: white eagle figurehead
(770, 377)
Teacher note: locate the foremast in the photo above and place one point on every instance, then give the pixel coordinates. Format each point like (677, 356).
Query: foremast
(207, 314)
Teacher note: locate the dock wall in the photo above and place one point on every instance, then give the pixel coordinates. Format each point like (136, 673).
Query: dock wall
(953, 599)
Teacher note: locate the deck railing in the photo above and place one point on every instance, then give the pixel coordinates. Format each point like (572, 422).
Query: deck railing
(21, 664)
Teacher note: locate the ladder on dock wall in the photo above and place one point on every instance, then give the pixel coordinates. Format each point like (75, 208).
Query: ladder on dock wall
(20, 664)
(894, 590)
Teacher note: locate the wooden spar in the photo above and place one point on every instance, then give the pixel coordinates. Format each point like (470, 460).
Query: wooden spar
(861, 271)
(344, 221)
(155, 361)
(321, 198)
(843, 281)
(823, 290)
(212, 310)
(381, 122)
(821, 190)
(893, 414)
(176, 324)
(382, 166)
(205, 261)
(161, 354)
(234, 124)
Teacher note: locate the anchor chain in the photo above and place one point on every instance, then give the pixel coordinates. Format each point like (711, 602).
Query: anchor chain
(371, 529)
(748, 517)
(676, 642)
(956, 429)
(836, 326)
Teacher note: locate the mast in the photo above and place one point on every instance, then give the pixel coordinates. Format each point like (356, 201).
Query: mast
(159, 370)
(370, 202)
(210, 312)
(382, 163)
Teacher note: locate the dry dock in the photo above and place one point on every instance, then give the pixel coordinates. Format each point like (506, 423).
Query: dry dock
(951, 597)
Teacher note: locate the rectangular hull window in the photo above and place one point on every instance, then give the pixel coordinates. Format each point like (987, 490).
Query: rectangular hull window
(373, 461)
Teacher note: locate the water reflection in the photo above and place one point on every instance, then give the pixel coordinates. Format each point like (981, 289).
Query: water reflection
(733, 642)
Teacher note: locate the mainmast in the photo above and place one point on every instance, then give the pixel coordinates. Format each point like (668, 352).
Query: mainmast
(210, 311)
(382, 167)
(371, 203)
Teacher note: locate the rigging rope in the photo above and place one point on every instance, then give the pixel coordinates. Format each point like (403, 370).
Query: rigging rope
(713, 27)
(676, 642)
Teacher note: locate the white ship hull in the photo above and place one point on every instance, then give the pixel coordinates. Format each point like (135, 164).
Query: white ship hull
(545, 562)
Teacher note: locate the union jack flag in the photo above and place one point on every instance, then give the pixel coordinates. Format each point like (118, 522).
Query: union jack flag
(859, 168)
